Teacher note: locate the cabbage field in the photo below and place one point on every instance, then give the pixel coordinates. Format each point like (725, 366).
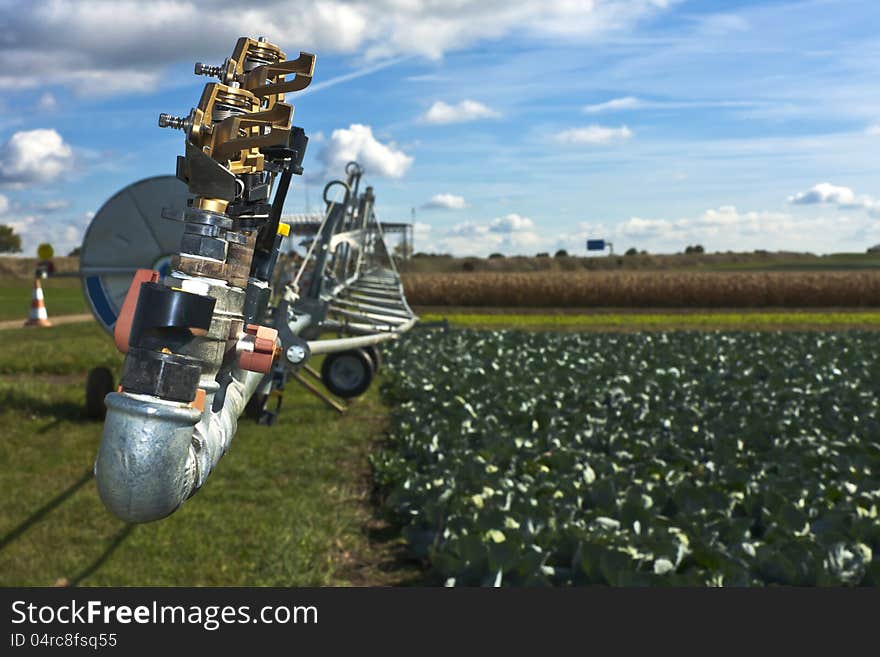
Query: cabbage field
(732, 459)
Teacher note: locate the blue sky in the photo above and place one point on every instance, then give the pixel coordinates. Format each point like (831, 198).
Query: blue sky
(509, 126)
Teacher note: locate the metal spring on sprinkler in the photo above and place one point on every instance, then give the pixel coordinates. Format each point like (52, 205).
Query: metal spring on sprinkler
(229, 103)
(223, 111)
(258, 56)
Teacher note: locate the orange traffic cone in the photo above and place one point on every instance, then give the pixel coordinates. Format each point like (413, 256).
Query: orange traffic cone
(38, 315)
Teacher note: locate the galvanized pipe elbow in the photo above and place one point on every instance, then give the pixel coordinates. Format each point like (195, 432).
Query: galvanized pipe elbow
(155, 454)
(143, 469)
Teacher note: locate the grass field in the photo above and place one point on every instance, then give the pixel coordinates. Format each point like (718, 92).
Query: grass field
(63, 296)
(289, 505)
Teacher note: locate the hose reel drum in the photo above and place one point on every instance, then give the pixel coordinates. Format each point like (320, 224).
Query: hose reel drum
(128, 233)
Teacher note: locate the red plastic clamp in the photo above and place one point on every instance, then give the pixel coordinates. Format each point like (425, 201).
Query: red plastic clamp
(260, 359)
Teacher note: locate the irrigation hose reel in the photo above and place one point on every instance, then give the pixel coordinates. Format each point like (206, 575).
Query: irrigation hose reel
(129, 233)
(126, 234)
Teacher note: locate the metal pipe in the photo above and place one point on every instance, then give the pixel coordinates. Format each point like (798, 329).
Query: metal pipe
(354, 290)
(298, 324)
(155, 454)
(355, 327)
(390, 303)
(343, 344)
(366, 306)
(389, 319)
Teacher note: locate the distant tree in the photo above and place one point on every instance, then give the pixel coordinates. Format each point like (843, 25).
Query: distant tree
(632, 251)
(697, 248)
(542, 254)
(75, 252)
(10, 242)
(493, 256)
(561, 253)
(468, 266)
(644, 252)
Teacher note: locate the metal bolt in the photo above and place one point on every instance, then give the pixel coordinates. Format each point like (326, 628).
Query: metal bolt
(205, 69)
(296, 354)
(169, 121)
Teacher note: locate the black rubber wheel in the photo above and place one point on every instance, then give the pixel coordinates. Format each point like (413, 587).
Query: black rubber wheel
(99, 384)
(375, 356)
(347, 374)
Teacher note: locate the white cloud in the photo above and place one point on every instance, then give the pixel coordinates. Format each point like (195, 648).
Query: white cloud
(511, 223)
(421, 238)
(511, 234)
(64, 232)
(54, 42)
(724, 224)
(53, 205)
(842, 197)
(628, 102)
(468, 229)
(421, 230)
(357, 143)
(632, 103)
(466, 110)
(446, 202)
(727, 228)
(824, 193)
(717, 229)
(47, 102)
(34, 156)
(873, 130)
(593, 134)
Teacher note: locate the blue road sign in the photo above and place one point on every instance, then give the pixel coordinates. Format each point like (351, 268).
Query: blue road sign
(595, 245)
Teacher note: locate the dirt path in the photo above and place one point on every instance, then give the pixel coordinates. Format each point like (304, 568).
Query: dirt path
(63, 319)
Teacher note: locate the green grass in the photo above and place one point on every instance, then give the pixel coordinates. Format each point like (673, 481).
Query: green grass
(67, 349)
(664, 321)
(63, 296)
(287, 506)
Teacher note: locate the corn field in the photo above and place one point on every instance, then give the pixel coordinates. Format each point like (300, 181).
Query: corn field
(645, 289)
